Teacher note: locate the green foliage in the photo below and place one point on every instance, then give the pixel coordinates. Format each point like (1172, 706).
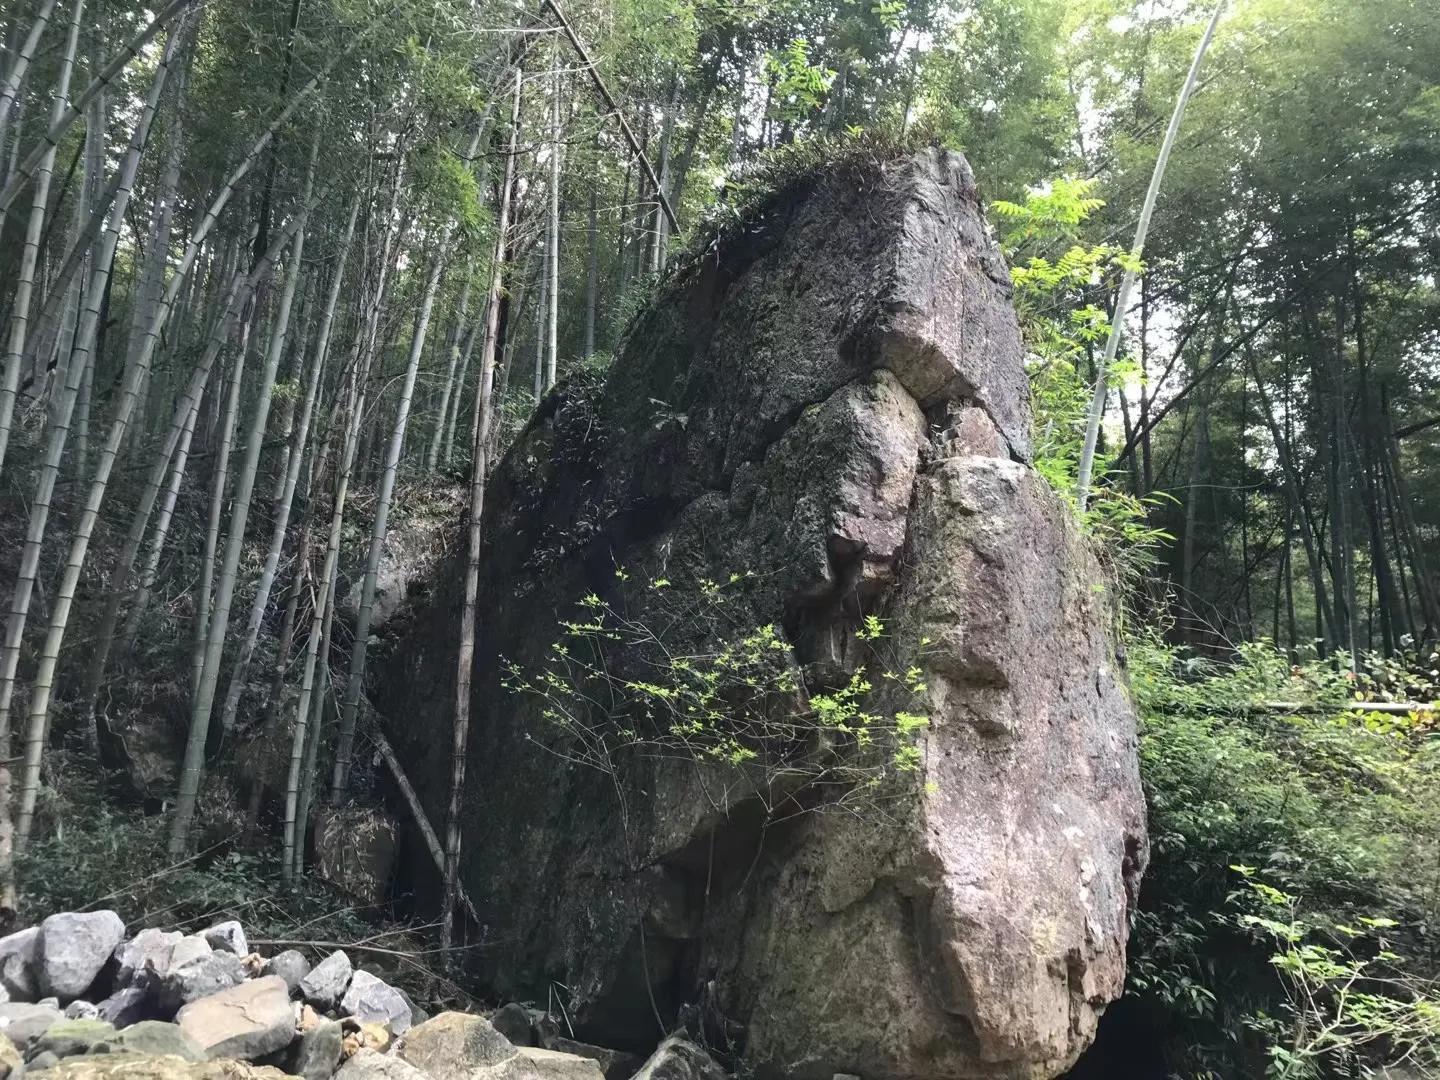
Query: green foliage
(1346, 989)
(798, 86)
(1257, 764)
(1059, 284)
(99, 854)
(617, 689)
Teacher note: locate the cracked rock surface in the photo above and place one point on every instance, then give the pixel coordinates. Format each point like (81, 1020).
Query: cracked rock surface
(831, 402)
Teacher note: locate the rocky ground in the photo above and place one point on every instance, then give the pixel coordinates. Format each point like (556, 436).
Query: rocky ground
(84, 1001)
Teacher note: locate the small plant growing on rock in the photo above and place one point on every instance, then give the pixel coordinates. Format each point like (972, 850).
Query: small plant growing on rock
(617, 687)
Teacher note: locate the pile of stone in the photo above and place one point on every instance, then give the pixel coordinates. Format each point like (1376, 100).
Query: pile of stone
(81, 1001)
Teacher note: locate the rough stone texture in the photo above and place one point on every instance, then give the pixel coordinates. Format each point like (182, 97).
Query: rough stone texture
(832, 400)
(26, 1023)
(80, 1009)
(158, 1038)
(196, 971)
(367, 1064)
(17, 964)
(679, 1059)
(372, 1000)
(514, 1022)
(228, 937)
(128, 1006)
(316, 1053)
(615, 1064)
(326, 983)
(454, 1045)
(290, 965)
(66, 1038)
(149, 948)
(537, 1063)
(146, 1067)
(355, 850)
(73, 947)
(10, 1060)
(245, 1021)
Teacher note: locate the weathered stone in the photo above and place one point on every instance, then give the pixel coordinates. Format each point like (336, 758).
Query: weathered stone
(453, 1045)
(66, 1038)
(515, 1023)
(157, 1038)
(149, 948)
(327, 981)
(367, 1064)
(372, 1000)
(11, 1062)
(80, 1009)
(615, 1064)
(678, 1058)
(355, 848)
(194, 973)
(315, 1055)
(537, 1063)
(290, 965)
(145, 1067)
(245, 1021)
(26, 1023)
(18, 970)
(46, 1059)
(128, 1006)
(831, 403)
(417, 1014)
(228, 937)
(73, 947)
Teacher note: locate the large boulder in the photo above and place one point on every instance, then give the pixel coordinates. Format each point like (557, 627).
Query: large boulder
(125, 1066)
(823, 420)
(245, 1021)
(18, 975)
(371, 1000)
(73, 947)
(150, 948)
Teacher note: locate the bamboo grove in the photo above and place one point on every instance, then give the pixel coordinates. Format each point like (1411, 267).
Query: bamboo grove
(270, 270)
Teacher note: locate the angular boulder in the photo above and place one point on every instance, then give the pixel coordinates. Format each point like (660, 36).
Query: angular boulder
(678, 1058)
(371, 1000)
(72, 948)
(824, 419)
(158, 1039)
(290, 965)
(228, 937)
(23, 1023)
(316, 1053)
(454, 1046)
(327, 981)
(144, 1067)
(150, 948)
(18, 975)
(246, 1021)
(366, 1064)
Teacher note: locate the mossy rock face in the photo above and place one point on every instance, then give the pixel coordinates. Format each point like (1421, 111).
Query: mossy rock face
(829, 401)
(66, 1038)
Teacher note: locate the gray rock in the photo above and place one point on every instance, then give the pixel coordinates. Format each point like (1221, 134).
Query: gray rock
(149, 948)
(203, 973)
(80, 1009)
(417, 1014)
(367, 1064)
(126, 1007)
(454, 1045)
(156, 1038)
(290, 965)
(73, 947)
(26, 1023)
(537, 1063)
(246, 1021)
(316, 1053)
(372, 1000)
(11, 1062)
(515, 1022)
(841, 409)
(327, 981)
(678, 1058)
(228, 937)
(18, 971)
(52, 1002)
(615, 1064)
(66, 1038)
(43, 1061)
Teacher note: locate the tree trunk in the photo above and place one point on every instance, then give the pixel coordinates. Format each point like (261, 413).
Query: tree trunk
(465, 660)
